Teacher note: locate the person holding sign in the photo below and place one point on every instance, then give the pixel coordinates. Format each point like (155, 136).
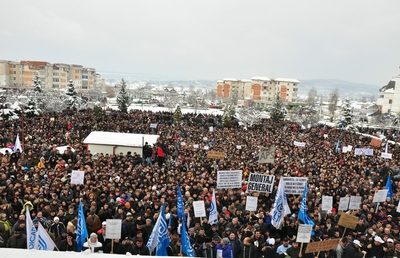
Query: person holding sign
(224, 249)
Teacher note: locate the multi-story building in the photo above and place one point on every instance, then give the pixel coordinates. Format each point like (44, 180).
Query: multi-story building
(389, 97)
(259, 90)
(52, 76)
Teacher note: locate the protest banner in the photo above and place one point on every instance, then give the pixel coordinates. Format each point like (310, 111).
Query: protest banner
(195, 146)
(153, 125)
(348, 221)
(349, 148)
(380, 196)
(211, 129)
(77, 177)
(299, 144)
(267, 155)
(251, 203)
(345, 149)
(344, 203)
(260, 183)
(363, 151)
(229, 179)
(114, 227)
(355, 202)
(386, 155)
(304, 233)
(215, 155)
(199, 209)
(294, 185)
(327, 203)
(375, 142)
(320, 246)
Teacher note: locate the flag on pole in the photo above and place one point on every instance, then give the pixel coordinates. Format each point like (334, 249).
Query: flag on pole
(17, 145)
(303, 216)
(81, 230)
(44, 241)
(213, 218)
(180, 206)
(31, 232)
(281, 207)
(337, 148)
(163, 237)
(185, 242)
(153, 239)
(389, 187)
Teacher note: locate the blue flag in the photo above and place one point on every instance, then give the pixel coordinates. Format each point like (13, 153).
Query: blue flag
(163, 237)
(81, 230)
(185, 241)
(337, 147)
(180, 206)
(303, 216)
(389, 187)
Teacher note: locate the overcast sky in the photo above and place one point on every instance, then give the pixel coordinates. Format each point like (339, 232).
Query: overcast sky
(358, 41)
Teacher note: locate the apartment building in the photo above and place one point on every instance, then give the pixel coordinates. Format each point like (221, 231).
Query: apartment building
(52, 76)
(259, 90)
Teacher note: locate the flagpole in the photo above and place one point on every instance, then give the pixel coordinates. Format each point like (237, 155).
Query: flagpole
(301, 250)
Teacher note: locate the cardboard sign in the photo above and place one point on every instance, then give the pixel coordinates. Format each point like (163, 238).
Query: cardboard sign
(153, 126)
(386, 155)
(260, 183)
(327, 203)
(114, 227)
(294, 185)
(229, 179)
(344, 203)
(363, 151)
(304, 233)
(199, 209)
(267, 155)
(375, 142)
(355, 202)
(348, 221)
(215, 155)
(251, 203)
(299, 144)
(77, 177)
(380, 196)
(315, 247)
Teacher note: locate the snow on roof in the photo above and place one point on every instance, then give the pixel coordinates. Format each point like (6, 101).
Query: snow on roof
(220, 81)
(230, 79)
(261, 78)
(120, 139)
(286, 80)
(245, 80)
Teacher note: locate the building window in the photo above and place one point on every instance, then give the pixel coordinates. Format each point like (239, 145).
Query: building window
(56, 80)
(390, 101)
(56, 86)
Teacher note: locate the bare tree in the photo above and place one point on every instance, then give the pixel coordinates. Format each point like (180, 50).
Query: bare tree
(333, 100)
(312, 96)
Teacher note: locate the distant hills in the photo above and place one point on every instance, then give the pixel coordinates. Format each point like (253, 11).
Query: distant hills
(345, 88)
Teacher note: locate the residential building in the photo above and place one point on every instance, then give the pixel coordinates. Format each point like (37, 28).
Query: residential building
(259, 90)
(389, 97)
(52, 76)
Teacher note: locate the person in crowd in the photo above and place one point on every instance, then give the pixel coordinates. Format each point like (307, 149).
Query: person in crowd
(224, 249)
(353, 250)
(93, 244)
(248, 250)
(17, 240)
(139, 247)
(68, 244)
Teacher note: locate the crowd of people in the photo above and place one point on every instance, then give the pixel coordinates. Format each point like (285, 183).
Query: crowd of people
(132, 188)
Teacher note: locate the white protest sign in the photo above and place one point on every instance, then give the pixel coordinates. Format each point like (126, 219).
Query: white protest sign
(386, 155)
(199, 209)
(195, 146)
(398, 207)
(327, 203)
(355, 202)
(219, 253)
(294, 185)
(380, 196)
(153, 125)
(325, 136)
(363, 151)
(77, 177)
(299, 144)
(304, 233)
(267, 155)
(206, 147)
(349, 148)
(183, 143)
(229, 179)
(251, 203)
(239, 147)
(344, 203)
(211, 129)
(260, 183)
(344, 149)
(205, 139)
(114, 227)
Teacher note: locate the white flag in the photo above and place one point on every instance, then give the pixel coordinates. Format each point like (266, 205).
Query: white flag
(153, 239)
(281, 207)
(17, 145)
(31, 232)
(44, 241)
(213, 218)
